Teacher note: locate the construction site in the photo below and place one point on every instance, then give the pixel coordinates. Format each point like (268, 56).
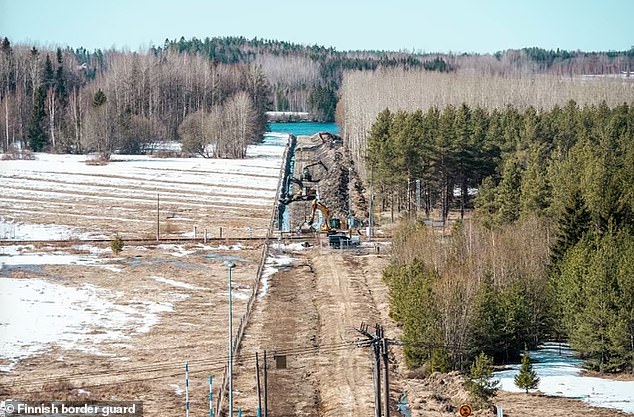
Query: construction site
(309, 334)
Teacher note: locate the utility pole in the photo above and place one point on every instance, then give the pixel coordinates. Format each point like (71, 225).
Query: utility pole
(379, 344)
(386, 376)
(376, 348)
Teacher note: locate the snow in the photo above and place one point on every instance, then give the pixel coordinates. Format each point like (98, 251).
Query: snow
(13, 250)
(101, 192)
(272, 265)
(46, 259)
(175, 283)
(179, 250)
(43, 314)
(21, 231)
(178, 390)
(560, 375)
(290, 247)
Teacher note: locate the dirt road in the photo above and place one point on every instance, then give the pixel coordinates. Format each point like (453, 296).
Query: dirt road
(311, 313)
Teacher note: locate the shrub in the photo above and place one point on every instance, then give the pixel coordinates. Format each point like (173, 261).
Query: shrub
(116, 244)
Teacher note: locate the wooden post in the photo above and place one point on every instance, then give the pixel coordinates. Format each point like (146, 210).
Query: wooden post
(386, 377)
(266, 382)
(257, 373)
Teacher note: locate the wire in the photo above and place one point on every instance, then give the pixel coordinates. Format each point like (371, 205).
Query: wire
(216, 363)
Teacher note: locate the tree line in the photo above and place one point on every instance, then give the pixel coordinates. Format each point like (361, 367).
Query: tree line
(364, 94)
(548, 253)
(300, 74)
(128, 102)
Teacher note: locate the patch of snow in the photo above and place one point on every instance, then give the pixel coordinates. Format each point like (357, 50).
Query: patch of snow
(240, 294)
(111, 268)
(175, 283)
(237, 246)
(47, 259)
(22, 231)
(43, 314)
(290, 247)
(272, 265)
(178, 250)
(93, 250)
(178, 390)
(560, 375)
(14, 250)
(81, 392)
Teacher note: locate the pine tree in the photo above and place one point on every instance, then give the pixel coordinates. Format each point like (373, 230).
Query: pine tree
(508, 193)
(479, 383)
(573, 225)
(37, 134)
(527, 377)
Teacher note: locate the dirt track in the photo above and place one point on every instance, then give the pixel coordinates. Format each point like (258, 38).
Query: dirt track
(314, 310)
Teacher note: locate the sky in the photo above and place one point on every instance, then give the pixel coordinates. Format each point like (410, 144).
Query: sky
(480, 26)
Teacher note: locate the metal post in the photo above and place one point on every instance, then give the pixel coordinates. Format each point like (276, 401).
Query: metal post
(186, 389)
(211, 398)
(230, 266)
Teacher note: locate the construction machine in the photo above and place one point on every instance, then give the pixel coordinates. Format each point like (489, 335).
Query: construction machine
(307, 175)
(303, 193)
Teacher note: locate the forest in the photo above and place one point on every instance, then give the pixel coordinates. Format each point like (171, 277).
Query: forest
(212, 94)
(548, 253)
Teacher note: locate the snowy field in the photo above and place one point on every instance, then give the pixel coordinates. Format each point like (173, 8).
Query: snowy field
(71, 309)
(560, 374)
(62, 197)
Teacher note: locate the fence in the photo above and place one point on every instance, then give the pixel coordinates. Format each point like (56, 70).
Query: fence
(244, 320)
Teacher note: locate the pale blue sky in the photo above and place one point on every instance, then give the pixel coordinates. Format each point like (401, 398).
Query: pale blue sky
(430, 26)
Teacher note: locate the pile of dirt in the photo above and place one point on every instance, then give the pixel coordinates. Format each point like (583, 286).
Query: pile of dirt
(339, 184)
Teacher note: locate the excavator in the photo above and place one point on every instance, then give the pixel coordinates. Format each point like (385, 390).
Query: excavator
(306, 172)
(336, 239)
(329, 222)
(304, 193)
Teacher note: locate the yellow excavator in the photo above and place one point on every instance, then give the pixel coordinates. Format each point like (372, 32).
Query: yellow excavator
(328, 223)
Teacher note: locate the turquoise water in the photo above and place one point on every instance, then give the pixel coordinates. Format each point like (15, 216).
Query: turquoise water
(303, 128)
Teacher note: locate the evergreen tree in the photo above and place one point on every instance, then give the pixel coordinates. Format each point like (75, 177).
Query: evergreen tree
(527, 378)
(49, 74)
(508, 193)
(323, 102)
(99, 98)
(37, 134)
(573, 224)
(479, 383)
(535, 188)
(487, 320)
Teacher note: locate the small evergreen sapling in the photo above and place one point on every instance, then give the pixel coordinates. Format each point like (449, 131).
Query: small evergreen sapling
(116, 244)
(479, 383)
(527, 377)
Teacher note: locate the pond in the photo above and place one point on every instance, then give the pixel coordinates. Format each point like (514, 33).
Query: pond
(559, 370)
